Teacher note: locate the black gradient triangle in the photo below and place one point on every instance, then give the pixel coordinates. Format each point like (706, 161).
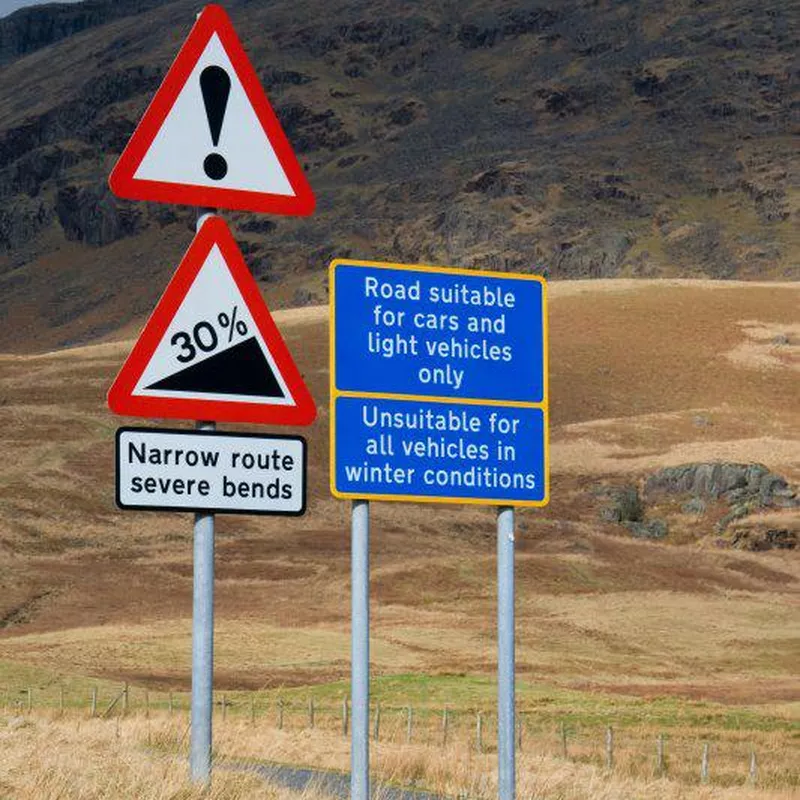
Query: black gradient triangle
(241, 369)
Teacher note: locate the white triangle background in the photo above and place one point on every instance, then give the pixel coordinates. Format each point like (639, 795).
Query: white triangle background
(182, 143)
(213, 292)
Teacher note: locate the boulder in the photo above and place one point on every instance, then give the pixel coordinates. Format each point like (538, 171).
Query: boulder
(736, 483)
(625, 505)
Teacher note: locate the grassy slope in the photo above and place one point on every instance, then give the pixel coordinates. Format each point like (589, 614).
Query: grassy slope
(90, 589)
(693, 640)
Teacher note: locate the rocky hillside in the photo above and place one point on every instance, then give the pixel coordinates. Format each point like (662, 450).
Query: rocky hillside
(584, 138)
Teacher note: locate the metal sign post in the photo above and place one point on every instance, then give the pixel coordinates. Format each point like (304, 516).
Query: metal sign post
(202, 643)
(439, 393)
(211, 350)
(506, 756)
(202, 629)
(359, 751)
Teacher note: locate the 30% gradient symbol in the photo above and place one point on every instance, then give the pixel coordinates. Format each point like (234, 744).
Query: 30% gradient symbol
(205, 335)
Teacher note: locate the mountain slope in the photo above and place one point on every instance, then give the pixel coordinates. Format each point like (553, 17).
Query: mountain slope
(585, 138)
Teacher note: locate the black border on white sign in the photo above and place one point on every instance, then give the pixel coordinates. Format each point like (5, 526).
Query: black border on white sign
(201, 508)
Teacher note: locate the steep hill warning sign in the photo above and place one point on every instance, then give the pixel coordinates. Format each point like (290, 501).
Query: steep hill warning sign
(211, 349)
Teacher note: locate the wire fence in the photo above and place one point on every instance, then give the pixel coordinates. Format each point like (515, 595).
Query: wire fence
(712, 755)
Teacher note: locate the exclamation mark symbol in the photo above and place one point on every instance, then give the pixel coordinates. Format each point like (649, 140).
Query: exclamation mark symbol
(215, 85)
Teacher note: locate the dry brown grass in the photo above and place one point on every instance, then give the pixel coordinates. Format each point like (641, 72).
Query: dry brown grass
(641, 378)
(45, 756)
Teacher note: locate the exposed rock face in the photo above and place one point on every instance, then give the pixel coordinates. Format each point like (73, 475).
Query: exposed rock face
(78, 119)
(20, 222)
(736, 491)
(694, 506)
(625, 506)
(737, 483)
(627, 509)
(31, 29)
(92, 215)
(309, 130)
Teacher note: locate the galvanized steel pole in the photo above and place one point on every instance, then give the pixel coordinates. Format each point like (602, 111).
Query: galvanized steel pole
(359, 751)
(506, 760)
(202, 633)
(202, 643)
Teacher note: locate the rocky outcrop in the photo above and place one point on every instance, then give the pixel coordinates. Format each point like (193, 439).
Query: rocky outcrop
(732, 493)
(20, 222)
(32, 170)
(75, 119)
(309, 130)
(736, 483)
(599, 256)
(625, 507)
(507, 25)
(30, 29)
(92, 215)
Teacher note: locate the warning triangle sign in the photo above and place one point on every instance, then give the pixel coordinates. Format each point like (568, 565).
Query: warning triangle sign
(210, 136)
(211, 350)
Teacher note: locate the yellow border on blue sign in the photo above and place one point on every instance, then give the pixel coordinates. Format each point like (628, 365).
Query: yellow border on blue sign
(335, 393)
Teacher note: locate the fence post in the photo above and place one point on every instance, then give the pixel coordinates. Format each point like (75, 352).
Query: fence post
(171, 707)
(376, 730)
(409, 723)
(224, 707)
(61, 700)
(113, 704)
(280, 715)
(660, 763)
(125, 700)
(753, 775)
(345, 715)
(445, 723)
(564, 752)
(609, 747)
(30, 699)
(519, 734)
(93, 703)
(704, 764)
(311, 712)
(479, 732)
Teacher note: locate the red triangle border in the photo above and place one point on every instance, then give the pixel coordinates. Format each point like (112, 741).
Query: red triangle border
(213, 19)
(121, 399)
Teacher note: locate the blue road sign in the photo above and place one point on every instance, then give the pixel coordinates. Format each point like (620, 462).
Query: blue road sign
(438, 384)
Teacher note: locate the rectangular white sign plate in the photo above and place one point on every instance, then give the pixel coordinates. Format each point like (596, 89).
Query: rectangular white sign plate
(233, 473)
